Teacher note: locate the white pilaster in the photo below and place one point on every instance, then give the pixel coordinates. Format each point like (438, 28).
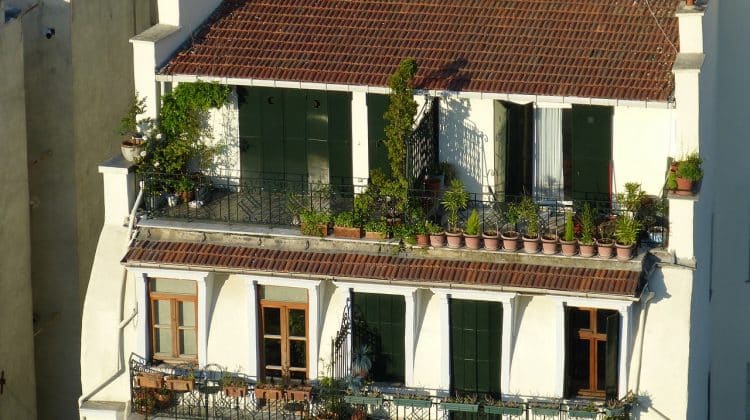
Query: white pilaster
(445, 340)
(507, 344)
(410, 322)
(252, 335)
(313, 301)
(626, 319)
(360, 139)
(204, 296)
(119, 189)
(141, 336)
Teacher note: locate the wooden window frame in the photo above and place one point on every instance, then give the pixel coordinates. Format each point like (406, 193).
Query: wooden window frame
(593, 337)
(284, 336)
(173, 299)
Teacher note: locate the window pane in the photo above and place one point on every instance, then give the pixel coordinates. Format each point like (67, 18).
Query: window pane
(163, 340)
(162, 313)
(601, 320)
(183, 287)
(188, 343)
(186, 310)
(296, 323)
(283, 294)
(579, 366)
(272, 351)
(580, 319)
(298, 353)
(272, 321)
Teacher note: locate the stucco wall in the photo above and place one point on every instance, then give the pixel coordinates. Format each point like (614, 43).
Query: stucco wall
(16, 335)
(225, 136)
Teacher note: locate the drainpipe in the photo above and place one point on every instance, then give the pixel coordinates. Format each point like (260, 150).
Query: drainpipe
(123, 321)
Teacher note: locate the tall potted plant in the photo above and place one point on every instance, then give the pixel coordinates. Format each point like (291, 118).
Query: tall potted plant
(134, 144)
(490, 235)
(568, 242)
(586, 242)
(471, 233)
(529, 213)
(510, 233)
(455, 199)
(605, 245)
(626, 232)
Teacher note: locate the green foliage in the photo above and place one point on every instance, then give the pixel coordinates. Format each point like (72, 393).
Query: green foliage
(512, 215)
(528, 212)
(129, 124)
(632, 197)
(626, 230)
(346, 219)
(434, 228)
(472, 223)
(406, 232)
(310, 219)
(690, 168)
(399, 117)
(455, 199)
(569, 233)
(364, 205)
(588, 218)
(671, 181)
(378, 225)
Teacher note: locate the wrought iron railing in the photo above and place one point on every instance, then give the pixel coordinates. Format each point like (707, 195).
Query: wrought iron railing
(277, 199)
(210, 397)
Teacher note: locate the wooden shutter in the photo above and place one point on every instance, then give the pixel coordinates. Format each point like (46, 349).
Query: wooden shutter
(612, 358)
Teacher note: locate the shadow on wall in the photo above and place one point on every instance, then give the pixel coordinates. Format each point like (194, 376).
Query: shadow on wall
(463, 143)
(227, 139)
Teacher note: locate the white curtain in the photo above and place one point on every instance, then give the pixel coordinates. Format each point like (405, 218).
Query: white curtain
(548, 154)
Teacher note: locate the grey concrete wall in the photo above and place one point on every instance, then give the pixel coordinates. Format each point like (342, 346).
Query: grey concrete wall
(728, 174)
(18, 400)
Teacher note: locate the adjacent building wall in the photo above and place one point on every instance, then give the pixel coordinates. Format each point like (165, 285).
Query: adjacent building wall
(18, 400)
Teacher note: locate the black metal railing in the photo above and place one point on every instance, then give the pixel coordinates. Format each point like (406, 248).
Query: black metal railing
(213, 396)
(277, 199)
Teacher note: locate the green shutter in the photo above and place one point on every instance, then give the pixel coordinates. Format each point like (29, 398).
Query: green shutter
(592, 151)
(476, 334)
(612, 358)
(295, 145)
(340, 136)
(376, 107)
(382, 327)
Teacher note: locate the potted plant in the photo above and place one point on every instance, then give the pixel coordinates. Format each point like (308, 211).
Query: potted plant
(626, 232)
(455, 199)
(465, 404)
(688, 172)
(183, 382)
(268, 391)
(568, 242)
(314, 223)
(149, 380)
(163, 397)
(586, 243)
(605, 245)
(529, 212)
(346, 225)
(510, 233)
(413, 400)
(549, 243)
(299, 392)
(491, 238)
(144, 401)
(134, 144)
(376, 229)
(437, 235)
(471, 233)
(545, 408)
(233, 385)
(510, 408)
(583, 411)
(418, 223)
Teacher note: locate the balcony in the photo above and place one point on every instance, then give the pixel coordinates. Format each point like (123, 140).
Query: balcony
(215, 393)
(259, 202)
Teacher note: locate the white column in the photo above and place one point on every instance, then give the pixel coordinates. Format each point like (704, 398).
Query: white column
(625, 339)
(560, 349)
(204, 302)
(507, 345)
(119, 190)
(313, 301)
(253, 370)
(445, 340)
(360, 140)
(141, 293)
(410, 322)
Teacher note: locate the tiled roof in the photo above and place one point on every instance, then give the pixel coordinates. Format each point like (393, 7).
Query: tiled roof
(612, 49)
(380, 267)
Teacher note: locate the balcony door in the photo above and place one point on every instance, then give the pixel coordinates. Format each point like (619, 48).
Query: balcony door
(284, 333)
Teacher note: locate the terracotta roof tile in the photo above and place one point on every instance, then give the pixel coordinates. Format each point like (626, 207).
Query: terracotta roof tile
(600, 281)
(584, 48)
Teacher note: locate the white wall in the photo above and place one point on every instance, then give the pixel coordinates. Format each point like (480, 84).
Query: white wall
(225, 127)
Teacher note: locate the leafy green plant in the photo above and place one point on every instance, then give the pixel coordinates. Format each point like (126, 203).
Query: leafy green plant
(311, 219)
(472, 223)
(345, 219)
(129, 123)
(569, 231)
(690, 167)
(528, 211)
(364, 204)
(455, 199)
(406, 232)
(378, 225)
(632, 197)
(627, 229)
(588, 217)
(434, 228)
(671, 181)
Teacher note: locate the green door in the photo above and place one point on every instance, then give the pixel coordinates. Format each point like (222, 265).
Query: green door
(340, 137)
(378, 154)
(476, 334)
(379, 324)
(592, 152)
(251, 147)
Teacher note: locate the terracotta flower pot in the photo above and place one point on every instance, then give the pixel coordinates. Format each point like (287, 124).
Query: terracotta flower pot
(347, 232)
(149, 380)
(491, 241)
(605, 248)
(624, 252)
(180, 385)
(510, 241)
(684, 186)
(375, 235)
(437, 240)
(587, 250)
(531, 245)
(568, 248)
(472, 241)
(423, 240)
(235, 391)
(549, 244)
(454, 239)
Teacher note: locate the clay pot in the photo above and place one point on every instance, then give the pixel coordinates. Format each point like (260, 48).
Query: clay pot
(531, 245)
(510, 241)
(454, 239)
(568, 248)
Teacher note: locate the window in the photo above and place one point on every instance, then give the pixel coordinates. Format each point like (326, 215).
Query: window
(174, 323)
(379, 322)
(476, 333)
(592, 355)
(284, 332)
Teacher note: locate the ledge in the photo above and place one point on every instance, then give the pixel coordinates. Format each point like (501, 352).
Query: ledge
(116, 165)
(155, 33)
